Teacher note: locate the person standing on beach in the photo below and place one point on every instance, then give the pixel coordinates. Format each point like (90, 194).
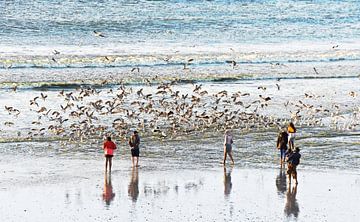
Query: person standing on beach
(281, 144)
(293, 160)
(109, 147)
(291, 131)
(134, 143)
(228, 141)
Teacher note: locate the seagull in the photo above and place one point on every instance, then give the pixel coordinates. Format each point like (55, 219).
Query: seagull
(265, 98)
(352, 93)
(8, 66)
(8, 123)
(136, 68)
(98, 34)
(43, 96)
(315, 71)
(42, 109)
(232, 62)
(278, 86)
(262, 87)
(55, 52)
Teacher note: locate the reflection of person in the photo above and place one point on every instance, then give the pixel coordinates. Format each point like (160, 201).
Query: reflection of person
(134, 143)
(281, 144)
(108, 194)
(281, 182)
(292, 131)
(291, 206)
(293, 159)
(227, 181)
(228, 141)
(109, 147)
(133, 190)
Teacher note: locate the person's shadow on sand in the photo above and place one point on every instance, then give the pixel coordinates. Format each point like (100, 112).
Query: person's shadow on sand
(133, 189)
(281, 182)
(291, 206)
(227, 181)
(108, 193)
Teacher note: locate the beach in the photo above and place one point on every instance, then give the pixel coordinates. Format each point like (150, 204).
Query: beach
(181, 74)
(53, 177)
(73, 188)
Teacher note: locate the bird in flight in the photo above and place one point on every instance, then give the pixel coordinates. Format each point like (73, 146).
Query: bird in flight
(98, 34)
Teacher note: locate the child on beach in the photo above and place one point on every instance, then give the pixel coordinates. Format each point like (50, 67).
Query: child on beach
(134, 143)
(281, 144)
(228, 146)
(109, 147)
(291, 132)
(293, 159)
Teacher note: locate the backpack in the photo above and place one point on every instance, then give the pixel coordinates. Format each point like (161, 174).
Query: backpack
(295, 158)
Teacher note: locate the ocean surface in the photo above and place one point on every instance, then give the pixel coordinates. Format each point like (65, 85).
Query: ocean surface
(57, 38)
(304, 55)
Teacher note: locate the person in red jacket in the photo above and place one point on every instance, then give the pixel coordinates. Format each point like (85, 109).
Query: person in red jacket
(109, 147)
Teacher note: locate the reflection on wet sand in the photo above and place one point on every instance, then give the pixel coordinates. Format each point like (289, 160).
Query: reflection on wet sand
(133, 189)
(291, 206)
(281, 182)
(108, 194)
(227, 181)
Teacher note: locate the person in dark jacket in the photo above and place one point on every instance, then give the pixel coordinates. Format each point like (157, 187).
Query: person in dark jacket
(281, 144)
(134, 143)
(293, 160)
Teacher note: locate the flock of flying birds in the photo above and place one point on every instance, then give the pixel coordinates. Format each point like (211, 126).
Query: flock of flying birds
(167, 109)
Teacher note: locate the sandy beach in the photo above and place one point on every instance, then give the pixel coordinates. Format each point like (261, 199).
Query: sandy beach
(74, 189)
(181, 73)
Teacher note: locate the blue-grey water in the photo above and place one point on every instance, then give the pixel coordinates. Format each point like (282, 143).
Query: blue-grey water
(51, 23)
(168, 33)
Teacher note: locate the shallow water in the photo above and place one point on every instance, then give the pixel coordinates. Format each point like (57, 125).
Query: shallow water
(69, 192)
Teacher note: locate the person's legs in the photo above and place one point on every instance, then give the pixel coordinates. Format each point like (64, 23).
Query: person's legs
(231, 157)
(295, 176)
(291, 142)
(289, 175)
(289, 172)
(134, 156)
(137, 154)
(282, 156)
(110, 163)
(106, 163)
(225, 154)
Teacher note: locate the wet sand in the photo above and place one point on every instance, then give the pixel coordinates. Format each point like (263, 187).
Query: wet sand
(75, 189)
